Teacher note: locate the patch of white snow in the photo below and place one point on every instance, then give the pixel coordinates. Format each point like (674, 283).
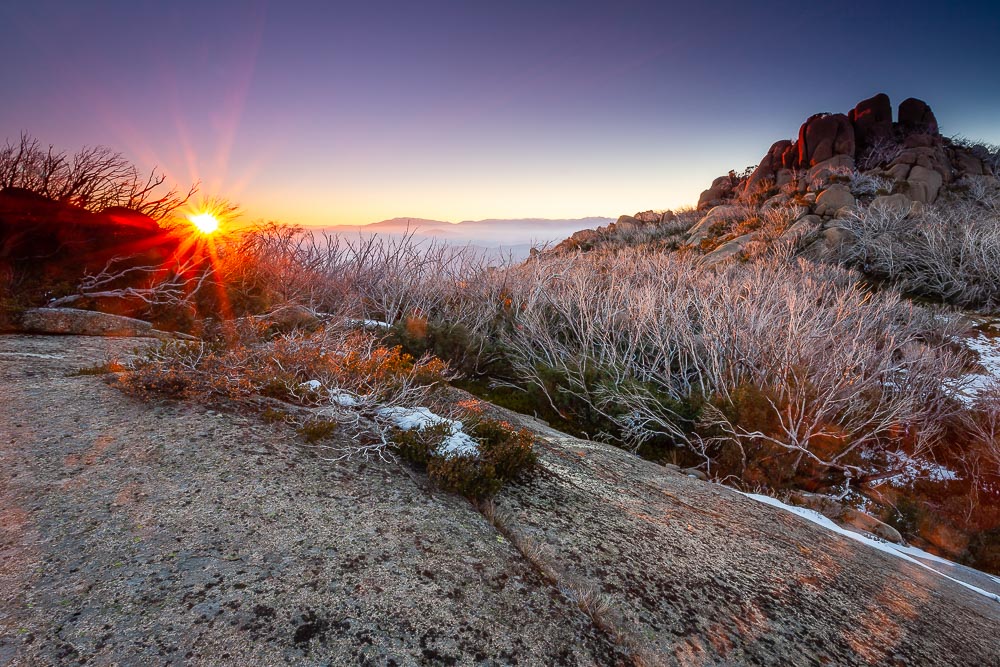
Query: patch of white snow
(909, 554)
(457, 443)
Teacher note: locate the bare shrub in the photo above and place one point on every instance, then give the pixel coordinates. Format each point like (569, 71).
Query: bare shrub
(949, 252)
(879, 153)
(95, 178)
(636, 336)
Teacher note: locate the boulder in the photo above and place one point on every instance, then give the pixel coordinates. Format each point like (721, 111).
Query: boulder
(835, 236)
(71, 321)
(588, 236)
(804, 225)
(769, 165)
(916, 117)
(898, 202)
(718, 215)
(783, 177)
(790, 156)
(777, 201)
(821, 175)
(648, 216)
(63, 242)
(833, 199)
(899, 172)
(823, 136)
(721, 190)
(727, 250)
(627, 224)
(968, 163)
(668, 216)
(857, 521)
(872, 120)
(924, 184)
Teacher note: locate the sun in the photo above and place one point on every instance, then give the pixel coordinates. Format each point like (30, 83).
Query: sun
(206, 223)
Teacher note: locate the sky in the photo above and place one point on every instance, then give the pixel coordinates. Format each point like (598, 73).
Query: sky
(352, 112)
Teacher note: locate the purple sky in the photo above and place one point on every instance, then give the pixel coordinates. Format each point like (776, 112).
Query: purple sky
(325, 113)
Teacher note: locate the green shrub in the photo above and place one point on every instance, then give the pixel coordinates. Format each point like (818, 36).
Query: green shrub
(505, 454)
(419, 445)
(510, 452)
(466, 475)
(318, 429)
(272, 416)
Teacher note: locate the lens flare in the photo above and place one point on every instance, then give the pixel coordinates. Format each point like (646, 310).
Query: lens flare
(206, 223)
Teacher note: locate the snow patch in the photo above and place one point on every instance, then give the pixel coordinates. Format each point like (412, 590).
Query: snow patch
(913, 469)
(910, 554)
(457, 443)
(970, 386)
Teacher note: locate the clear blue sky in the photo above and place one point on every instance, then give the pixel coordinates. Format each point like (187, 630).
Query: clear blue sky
(330, 112)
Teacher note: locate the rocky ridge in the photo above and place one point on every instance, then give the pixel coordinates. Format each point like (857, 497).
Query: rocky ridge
(837, 162)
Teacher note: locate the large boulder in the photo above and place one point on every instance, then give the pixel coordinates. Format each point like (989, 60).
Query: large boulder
(721, 190)
(769, 165)
(647, 217)
(915, 116)
(872, 120)
(824, 136)
(49, 242)
(833, 199)
(924, 184)
(720, 215)
(968, 163)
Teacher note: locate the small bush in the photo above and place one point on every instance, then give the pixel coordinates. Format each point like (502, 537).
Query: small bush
(511, 452)
(107, 367)
(272, 416)
(466, 475)
(505, 454)
(315, 430)
(419, 445)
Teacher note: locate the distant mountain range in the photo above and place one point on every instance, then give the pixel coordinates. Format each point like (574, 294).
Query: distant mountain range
(515, 236)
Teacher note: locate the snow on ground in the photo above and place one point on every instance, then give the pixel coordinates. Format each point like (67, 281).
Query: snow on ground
(913, 469)
(988, 350)
(910, 554)
(368, 324)
(458, 443)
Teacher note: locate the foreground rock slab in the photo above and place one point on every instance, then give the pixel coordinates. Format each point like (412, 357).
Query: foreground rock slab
(167, 533)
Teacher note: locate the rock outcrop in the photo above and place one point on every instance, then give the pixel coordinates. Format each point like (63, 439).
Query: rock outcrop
(915, 116)
(70, 239)
(824, 136)
(872, 121)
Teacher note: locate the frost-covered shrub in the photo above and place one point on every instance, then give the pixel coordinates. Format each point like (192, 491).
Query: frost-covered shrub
(949, 252)
(629, 336)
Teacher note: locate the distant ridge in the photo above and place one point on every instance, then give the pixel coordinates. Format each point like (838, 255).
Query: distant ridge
(491, 232)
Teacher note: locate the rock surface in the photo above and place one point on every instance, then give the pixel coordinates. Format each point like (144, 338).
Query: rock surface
(166, 533)
(75, 322)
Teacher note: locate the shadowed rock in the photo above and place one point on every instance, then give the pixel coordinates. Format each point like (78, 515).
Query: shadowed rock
(823, 136)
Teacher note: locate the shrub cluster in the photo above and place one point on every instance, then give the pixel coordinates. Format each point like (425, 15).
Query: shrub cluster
(949, 252)
(504, 454)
